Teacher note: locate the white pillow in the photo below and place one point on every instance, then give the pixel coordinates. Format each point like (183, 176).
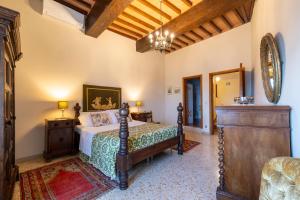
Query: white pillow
(85, 119)
(114, 119)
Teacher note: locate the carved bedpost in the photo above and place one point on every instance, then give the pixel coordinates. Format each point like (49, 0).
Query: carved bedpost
(77, 113)
(180, 129)
(221, 158)
(122, 161)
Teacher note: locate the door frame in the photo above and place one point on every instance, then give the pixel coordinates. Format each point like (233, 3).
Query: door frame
(184, 98)
(241, 71)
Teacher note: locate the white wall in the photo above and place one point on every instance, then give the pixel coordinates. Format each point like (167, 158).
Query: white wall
(224, 51)
(58, 59)
(281, 18)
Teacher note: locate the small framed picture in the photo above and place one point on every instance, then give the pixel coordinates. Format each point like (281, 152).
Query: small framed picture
(170, 90)
(177, 90)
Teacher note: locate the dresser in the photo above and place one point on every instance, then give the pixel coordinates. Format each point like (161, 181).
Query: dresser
(142, 116)
(59, 138)
(249, 136)
(10, 52)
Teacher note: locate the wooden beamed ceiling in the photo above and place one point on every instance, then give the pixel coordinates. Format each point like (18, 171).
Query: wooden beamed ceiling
(191, 20)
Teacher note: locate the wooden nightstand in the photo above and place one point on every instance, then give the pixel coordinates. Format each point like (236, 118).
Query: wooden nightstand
(142, 116)
(59, 138)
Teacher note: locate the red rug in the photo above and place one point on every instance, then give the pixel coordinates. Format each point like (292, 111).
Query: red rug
(66, 180)
(188, 145)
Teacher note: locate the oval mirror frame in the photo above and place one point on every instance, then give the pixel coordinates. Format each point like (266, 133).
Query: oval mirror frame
(270, 64)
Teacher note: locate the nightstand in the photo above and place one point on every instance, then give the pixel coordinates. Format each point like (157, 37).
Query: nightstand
(59, 138)
(142, 116)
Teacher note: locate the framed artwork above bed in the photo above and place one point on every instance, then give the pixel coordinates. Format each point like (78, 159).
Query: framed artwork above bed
(100, 98)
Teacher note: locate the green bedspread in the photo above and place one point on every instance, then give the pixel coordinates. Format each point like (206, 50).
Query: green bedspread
(106, 144)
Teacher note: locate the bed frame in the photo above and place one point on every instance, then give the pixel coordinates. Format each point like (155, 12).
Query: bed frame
(125, 159)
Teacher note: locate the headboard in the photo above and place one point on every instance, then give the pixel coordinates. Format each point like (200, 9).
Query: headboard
(77, 109)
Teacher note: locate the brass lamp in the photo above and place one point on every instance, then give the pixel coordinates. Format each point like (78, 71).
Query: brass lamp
(62, 105)
(138, 104)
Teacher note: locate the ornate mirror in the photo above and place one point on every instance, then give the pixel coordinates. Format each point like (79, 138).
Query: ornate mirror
(270, 68)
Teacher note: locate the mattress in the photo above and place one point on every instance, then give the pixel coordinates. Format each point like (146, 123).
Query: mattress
(87, 134)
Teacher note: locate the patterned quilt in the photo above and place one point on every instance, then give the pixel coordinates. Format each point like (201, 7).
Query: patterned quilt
(106, 144)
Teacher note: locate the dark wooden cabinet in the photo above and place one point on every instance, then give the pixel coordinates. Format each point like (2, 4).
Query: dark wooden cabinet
(10, 52)
(59, 138)
(142, 116)
(249, 136)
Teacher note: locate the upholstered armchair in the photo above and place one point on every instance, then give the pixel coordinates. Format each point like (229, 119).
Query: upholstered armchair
(281, 179)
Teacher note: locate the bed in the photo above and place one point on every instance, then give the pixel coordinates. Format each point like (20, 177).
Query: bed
(115, 148)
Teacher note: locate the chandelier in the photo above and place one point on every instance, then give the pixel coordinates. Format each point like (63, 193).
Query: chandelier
(162, 39)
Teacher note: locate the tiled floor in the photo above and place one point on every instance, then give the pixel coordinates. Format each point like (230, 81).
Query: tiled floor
(168, 176)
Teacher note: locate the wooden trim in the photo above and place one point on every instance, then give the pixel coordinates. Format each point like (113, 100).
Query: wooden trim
(131, 25)
(137, 20)
(184, 98)
(172, 6)
(121, 33)
(241, 70)
(187, 2)
(213, 24)
(155, 9)
(144, 14)
(102, 15)
(123, 29)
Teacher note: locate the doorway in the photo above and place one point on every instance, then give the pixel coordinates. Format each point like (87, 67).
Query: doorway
(192, 101)
(223, 87)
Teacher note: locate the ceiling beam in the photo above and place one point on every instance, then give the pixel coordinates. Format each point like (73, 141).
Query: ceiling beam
(121, 33)
(188, 3)
(196, 35)
(172, 6)
(201, 13)
(126, 30)
(215, 26)
(137, 20)
(205, 31)
(155, 9)
(121, 21)
(227, 22)
(78, 6)
(103, 13)
(144, 14)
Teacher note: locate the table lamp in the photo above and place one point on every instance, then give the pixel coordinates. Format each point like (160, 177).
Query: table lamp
(62, 105)
(138, 104)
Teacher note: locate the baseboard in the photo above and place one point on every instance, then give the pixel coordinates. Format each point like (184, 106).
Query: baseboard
(29, 158)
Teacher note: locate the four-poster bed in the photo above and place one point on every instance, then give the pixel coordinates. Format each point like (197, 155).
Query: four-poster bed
(127, 154)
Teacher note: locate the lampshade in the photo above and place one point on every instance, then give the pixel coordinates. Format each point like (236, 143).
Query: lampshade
(138, 103)
(62, 105)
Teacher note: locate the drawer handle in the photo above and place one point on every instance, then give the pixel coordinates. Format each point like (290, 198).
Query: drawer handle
(56, 124)
(61, 139)
(67, 123)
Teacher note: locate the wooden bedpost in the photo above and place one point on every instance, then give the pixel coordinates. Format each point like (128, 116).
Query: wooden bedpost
(122, 157)
(180, 129)
(77, 113)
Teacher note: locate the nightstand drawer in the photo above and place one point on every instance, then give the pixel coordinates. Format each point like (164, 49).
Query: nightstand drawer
(60, 140)
(60, 123)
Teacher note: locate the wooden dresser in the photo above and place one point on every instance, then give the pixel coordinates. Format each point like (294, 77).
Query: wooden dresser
(59, 138)
(10, 52)
(248, 137)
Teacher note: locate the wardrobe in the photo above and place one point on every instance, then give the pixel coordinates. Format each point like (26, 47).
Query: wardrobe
(10, 52)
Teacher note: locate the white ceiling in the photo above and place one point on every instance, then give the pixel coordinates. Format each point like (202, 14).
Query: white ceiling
(63, 13)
